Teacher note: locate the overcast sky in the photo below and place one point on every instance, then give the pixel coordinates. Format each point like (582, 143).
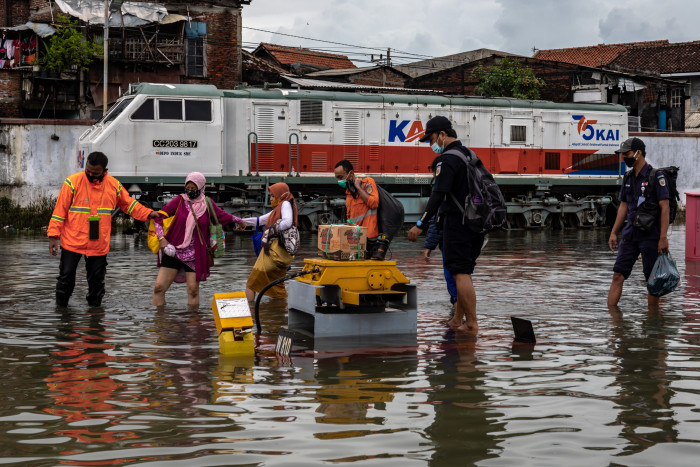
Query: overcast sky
(433, 28)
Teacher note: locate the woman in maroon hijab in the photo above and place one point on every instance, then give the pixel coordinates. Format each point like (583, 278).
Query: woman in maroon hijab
(273, 261)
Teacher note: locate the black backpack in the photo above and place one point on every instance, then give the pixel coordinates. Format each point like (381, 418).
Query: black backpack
(390, 214)
(484, 208)
(671, 175)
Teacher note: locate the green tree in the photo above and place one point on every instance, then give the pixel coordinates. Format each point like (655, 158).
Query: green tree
(68, 47)
(507, 78)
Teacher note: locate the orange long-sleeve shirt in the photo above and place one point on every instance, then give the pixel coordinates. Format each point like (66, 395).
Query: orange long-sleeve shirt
(78, 200)
(361, 213)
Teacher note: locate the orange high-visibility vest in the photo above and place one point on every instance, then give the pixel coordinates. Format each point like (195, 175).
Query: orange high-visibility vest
(78, 200)
(361, 213)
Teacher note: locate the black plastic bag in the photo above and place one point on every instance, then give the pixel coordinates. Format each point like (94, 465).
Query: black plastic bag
(664, 276)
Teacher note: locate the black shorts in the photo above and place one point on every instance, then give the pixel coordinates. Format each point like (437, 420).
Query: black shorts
(173, 263)
(460, 245)
(628, 252)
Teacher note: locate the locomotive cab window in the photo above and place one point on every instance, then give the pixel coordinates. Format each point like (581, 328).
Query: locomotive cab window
(170, 109)
(115, 111)
(197, 111)
(310, 113)
(145, 112)
(518, 134)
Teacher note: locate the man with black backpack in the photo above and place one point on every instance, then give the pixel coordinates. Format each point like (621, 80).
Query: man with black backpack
(644, 204)
(461, 241)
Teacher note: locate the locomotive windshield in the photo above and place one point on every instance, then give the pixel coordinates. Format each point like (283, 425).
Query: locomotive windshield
(115, 111)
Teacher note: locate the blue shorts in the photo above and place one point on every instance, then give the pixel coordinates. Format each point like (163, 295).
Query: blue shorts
(628, 252)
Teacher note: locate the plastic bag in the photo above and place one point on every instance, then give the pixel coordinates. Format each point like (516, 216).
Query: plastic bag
(216, 232)
(664, 276)
(257, 237)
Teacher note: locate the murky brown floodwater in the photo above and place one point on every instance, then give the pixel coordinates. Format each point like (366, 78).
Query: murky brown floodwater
(129, 385)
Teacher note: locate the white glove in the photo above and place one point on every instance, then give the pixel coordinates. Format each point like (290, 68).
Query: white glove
(169, 250)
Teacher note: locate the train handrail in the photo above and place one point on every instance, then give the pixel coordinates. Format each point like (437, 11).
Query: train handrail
(257, 169)
(289, 166)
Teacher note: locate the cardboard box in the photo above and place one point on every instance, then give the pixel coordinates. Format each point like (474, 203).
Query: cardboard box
(342, 242)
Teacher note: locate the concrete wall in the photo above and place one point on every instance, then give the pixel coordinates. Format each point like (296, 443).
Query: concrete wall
(32, 164)
(682, 150)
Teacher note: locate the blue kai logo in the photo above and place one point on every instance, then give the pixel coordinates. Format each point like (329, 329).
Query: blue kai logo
(397, 130)
(588, 132)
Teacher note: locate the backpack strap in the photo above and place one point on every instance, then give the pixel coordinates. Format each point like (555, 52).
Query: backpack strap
(460, 154)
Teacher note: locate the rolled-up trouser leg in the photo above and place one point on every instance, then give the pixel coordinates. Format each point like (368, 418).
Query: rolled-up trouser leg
(96, 269)
(66, 276)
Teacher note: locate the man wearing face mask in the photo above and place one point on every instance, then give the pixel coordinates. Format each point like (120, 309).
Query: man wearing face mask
(651, 240)
(82, 220)
(361, 203)
(461, 247)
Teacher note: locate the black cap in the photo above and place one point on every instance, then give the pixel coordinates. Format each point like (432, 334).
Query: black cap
(632, 144)
(435, 125)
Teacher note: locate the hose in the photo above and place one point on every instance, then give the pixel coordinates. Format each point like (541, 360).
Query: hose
(273, 283)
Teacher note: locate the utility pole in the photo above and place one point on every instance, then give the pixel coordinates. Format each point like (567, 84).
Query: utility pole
(110, 5)
(387, 62)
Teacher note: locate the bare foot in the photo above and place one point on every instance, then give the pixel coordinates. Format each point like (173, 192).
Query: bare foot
(454, 323)
(469, 328)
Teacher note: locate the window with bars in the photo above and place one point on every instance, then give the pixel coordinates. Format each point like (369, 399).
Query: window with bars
(676, 97)
(196, 59)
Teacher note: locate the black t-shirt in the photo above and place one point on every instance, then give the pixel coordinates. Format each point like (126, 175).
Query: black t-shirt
(451, 177)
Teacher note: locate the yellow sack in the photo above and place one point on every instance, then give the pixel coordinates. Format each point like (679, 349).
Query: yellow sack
(153, 242)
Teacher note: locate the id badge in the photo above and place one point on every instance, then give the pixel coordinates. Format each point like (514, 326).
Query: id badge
(641, 200)
(94, 221)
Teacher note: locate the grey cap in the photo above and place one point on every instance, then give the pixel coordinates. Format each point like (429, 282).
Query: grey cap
(632, 144)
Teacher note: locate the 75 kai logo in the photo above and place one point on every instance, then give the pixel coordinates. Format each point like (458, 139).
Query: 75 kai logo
(589, 132)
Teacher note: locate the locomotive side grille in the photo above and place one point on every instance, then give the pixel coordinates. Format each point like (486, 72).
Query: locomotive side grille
(552, 161)
(373, 151)
(351, 136)
(582, 161)
(311, 113)
(518, 134)
(319, 162)
(265, 128)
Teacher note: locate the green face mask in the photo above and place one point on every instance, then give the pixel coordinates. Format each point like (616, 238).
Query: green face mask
(343, 183)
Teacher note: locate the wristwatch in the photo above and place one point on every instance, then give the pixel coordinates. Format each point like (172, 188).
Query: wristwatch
(419, 223)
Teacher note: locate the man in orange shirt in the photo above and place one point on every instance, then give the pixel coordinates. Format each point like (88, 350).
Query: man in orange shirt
(361, 203)
(82, 220)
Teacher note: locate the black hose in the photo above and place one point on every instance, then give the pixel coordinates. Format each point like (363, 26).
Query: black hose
(273, 283)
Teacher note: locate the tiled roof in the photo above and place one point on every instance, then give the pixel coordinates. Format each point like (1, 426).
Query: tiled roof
(291, 55)
(681, 57)
(251, 62)
(594, 56)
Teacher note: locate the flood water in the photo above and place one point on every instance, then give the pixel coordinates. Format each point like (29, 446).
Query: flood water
(127, 385)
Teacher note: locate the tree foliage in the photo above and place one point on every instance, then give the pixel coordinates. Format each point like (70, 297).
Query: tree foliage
(69, 47)
(507, 78)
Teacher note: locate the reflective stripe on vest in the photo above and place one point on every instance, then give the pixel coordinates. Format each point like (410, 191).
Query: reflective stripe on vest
(357, 219)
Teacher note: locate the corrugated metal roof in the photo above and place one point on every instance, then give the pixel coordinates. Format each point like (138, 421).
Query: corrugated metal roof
(323, 84)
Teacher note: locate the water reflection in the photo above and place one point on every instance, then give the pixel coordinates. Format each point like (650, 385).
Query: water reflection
(130, 384)
(463, 426)
(81, 382)
(644, 393)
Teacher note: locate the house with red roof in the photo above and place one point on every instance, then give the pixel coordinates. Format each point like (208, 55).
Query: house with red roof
(300, 61)
(680, 62)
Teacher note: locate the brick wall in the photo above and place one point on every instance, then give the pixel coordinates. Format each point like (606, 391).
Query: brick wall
(223, 48)
(379, 77)
(19, 12)
(10, 93)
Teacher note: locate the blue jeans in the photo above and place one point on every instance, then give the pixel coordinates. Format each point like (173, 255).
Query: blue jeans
(450, 281)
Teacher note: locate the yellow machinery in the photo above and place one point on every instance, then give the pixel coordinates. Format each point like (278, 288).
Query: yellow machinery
(352, 298)
(234, 324)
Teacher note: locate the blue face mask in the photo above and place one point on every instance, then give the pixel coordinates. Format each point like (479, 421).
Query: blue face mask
(437, 149)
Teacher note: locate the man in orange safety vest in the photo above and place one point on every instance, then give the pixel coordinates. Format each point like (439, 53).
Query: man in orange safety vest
(82, 220)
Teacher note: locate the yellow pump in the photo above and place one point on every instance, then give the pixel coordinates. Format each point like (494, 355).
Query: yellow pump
(234, 324)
